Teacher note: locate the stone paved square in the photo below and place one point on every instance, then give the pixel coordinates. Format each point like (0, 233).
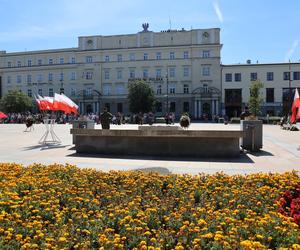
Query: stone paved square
(280, 153)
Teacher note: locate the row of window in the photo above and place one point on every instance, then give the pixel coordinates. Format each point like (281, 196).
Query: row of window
(235, 95)
(107, 58)
(88, 92)
(89, 75)
(119, 90)
(40, 77)
(269, 76)
(29, 62)
(158, 73)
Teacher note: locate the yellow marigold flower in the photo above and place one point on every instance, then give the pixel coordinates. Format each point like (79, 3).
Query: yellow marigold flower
(153, 240)
(19, 237)
(246, 244)
(207, 236)
(62, 239)
(147, 233)
(201, 222)
(218, 237)
(295, 246)
(260, 237)
(143, 243)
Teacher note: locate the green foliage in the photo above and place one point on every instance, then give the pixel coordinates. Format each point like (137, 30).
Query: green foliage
(255, 100)
(141, 97)
(15, 101)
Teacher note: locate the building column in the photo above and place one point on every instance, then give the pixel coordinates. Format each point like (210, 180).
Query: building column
(199, 109)
(195, 109)
(80, 107)
(217, 107)
(213, 107)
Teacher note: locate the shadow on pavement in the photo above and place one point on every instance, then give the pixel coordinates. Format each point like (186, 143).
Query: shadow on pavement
(260, 153)
(44, 147)
(244, 158)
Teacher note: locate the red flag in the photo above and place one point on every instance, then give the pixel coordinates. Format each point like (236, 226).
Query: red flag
(2, 115)
(295, 106)
(60, 104)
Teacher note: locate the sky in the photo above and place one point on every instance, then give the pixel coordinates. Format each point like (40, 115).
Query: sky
(266, 31)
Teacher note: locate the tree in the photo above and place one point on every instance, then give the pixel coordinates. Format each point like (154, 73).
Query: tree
(16, 101)
(255, 100)
(141, 97)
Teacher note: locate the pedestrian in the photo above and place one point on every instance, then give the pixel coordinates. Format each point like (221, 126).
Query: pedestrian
(244, 115)
(105, 119)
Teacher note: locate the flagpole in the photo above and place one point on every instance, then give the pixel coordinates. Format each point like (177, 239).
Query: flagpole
(290, 90)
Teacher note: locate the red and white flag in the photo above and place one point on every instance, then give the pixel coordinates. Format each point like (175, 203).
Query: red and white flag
(73, 105)
(59, 104)
(48, 102)
(295, 106)
(38, 102)
(42, 103)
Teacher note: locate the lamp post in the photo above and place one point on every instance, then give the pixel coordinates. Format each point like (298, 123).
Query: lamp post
(61, 84)
(99, 95)
(167, 79)
(290, 90)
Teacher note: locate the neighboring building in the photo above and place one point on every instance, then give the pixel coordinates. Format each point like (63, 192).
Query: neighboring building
(183, 68)
(100, 69)
(279, 83)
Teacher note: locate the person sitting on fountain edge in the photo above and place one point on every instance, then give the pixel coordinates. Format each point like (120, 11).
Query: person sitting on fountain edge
(245, 114)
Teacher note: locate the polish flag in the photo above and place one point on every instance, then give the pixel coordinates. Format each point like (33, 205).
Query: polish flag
(296, 105)
(60, 104)
(42, 103)
(48, 102)
(73, 105)
(38, 101)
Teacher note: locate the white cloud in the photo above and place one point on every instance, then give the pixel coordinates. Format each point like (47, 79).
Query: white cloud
(291, 51)
(218, 11)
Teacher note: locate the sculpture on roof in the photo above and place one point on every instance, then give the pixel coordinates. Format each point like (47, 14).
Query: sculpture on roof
(145, 27)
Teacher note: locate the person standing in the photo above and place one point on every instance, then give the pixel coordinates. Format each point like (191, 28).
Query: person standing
(105, 119)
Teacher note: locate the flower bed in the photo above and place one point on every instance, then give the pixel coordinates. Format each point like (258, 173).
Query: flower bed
(64, 207)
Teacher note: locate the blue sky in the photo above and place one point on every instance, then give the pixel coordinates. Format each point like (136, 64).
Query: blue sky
(263, 30)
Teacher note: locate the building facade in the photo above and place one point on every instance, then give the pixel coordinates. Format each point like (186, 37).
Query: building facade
(279, 83)
(183, 68)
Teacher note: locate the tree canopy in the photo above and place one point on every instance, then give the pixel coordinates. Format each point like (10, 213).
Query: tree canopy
(255, 100)
(141, 97)
(16, 101)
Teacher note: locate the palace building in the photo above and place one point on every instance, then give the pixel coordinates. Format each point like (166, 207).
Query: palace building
(182, 66)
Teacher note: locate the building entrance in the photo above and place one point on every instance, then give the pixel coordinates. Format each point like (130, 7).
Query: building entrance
(233, 102)
(206, 109)
(89, 108)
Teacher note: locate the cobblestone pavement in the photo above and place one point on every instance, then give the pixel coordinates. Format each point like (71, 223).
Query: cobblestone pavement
(281, 152)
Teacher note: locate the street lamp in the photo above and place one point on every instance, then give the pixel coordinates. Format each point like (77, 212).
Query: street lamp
(167, 78)
(290, 90)
(99, 95)
(61, 83)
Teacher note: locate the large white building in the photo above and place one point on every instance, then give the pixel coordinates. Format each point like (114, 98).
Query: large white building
(183, 68)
